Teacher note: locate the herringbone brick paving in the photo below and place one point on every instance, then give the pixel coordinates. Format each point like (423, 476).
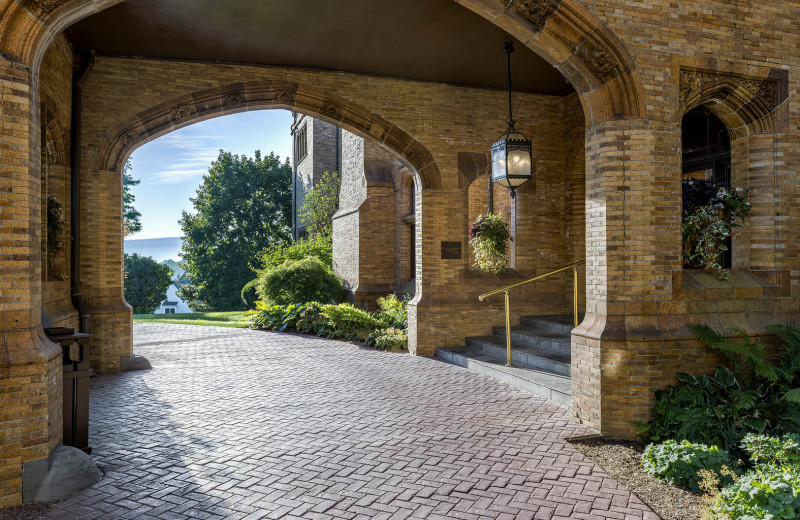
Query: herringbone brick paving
(241, 424)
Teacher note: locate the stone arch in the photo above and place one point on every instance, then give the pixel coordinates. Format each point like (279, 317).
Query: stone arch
(586, 52)
(747, 105)
(124, 137)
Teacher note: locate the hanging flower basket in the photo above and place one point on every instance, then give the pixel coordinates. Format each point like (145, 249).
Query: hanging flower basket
(711, 212)
(489, 237)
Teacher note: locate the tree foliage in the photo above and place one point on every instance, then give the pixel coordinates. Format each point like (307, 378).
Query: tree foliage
(242, 207)
(131, 218)
(146, 282)
(320, 203)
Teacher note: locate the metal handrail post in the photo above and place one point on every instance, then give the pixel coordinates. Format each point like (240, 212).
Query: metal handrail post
(508, 332)
(575, 293)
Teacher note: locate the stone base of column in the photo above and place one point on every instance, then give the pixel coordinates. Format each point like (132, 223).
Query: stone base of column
(111, 326)
(30, 405)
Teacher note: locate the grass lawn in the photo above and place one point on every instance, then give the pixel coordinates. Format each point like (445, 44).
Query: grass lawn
(217, 319)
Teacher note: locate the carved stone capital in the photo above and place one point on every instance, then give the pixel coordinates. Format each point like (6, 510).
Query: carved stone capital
(537, 12)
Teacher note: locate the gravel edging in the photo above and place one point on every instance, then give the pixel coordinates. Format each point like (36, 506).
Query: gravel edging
(622, 460)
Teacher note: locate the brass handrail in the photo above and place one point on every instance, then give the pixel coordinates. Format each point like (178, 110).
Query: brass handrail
(512, 286)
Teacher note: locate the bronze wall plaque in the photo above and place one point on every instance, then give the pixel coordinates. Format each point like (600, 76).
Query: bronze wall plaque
(451, 250)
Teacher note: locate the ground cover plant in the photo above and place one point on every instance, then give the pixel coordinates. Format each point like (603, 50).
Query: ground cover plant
(216, 319)
(385, 329)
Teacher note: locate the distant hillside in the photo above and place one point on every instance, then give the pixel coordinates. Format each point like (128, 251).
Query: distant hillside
(159, 248)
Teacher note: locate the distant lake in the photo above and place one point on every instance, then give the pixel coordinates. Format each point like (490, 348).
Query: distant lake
(159, 249)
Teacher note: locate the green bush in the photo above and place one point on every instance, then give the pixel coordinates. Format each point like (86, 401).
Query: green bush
(767, 451)
(680, 463)
(379, 329)
(319, 247)
(388, 339)
(300, 281)
(348, 322)
(757, 396)
(773, 494)
(249, 294)
(394, 311)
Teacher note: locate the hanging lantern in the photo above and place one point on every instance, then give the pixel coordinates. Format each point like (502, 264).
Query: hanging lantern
(512, 162)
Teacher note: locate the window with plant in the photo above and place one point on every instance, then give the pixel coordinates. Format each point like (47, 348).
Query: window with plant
(711, 213)
(55, 229)
(490, 237)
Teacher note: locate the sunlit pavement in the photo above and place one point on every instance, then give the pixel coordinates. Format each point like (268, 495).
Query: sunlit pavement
(233, 423)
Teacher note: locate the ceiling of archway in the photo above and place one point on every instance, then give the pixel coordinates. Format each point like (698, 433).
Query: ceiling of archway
(429, 40)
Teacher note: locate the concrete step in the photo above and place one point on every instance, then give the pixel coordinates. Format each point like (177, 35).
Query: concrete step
(560, 324)
(523, 356)
(555, 387)
(539, 338)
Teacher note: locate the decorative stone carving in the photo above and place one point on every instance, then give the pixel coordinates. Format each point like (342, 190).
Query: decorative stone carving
(129, 137)
(761, 92)
(232, 100)
(416, 159)
(332, 110)
(43, 6)
(537, 12)
(180, 114)
(285, 97)
(601, 63)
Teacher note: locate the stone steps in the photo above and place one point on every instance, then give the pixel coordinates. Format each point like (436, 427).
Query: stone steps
(540, 353)
(551, 386)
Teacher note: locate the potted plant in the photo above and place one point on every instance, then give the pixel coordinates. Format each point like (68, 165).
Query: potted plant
(489, 237)
(711, 212)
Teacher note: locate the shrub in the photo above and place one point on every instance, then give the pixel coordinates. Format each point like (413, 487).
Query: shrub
(394, 311)
(320, 204)
(680, 463)
(248, 294)
(300, 281)
(318, 246)
(767, 451)
(346, 321)
(770, 494)
(388, 339)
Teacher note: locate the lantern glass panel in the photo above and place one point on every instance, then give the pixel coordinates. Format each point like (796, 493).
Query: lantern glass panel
(499, 161)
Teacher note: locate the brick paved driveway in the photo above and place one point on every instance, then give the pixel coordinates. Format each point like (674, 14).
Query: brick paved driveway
(233, 423)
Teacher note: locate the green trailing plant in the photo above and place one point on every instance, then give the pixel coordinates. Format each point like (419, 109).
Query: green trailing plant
(680, 463)
(489, 237)
(55, 228)
(773, 494)
(711, 213)
(300, 281)
(758, 396)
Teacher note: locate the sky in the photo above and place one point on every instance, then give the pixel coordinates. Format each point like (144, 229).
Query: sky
(171, 167)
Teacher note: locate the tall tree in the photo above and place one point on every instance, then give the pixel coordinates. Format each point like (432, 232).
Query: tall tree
(242, 206)
(320, 204)
(131, 222)
(146, 282)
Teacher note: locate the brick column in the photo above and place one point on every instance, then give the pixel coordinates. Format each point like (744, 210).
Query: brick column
(101, 269)
(632, 247)
(30, 365)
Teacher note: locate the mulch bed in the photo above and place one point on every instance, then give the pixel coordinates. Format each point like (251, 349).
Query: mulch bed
(27, 511)
(622, 460)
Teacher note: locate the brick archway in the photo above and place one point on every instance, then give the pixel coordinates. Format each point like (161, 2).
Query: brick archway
(586, 52)
(148, 124)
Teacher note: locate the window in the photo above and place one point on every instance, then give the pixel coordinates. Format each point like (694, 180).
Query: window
(169, 311)
(300, 144)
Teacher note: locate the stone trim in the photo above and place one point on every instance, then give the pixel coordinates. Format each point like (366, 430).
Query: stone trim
(122, 139)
